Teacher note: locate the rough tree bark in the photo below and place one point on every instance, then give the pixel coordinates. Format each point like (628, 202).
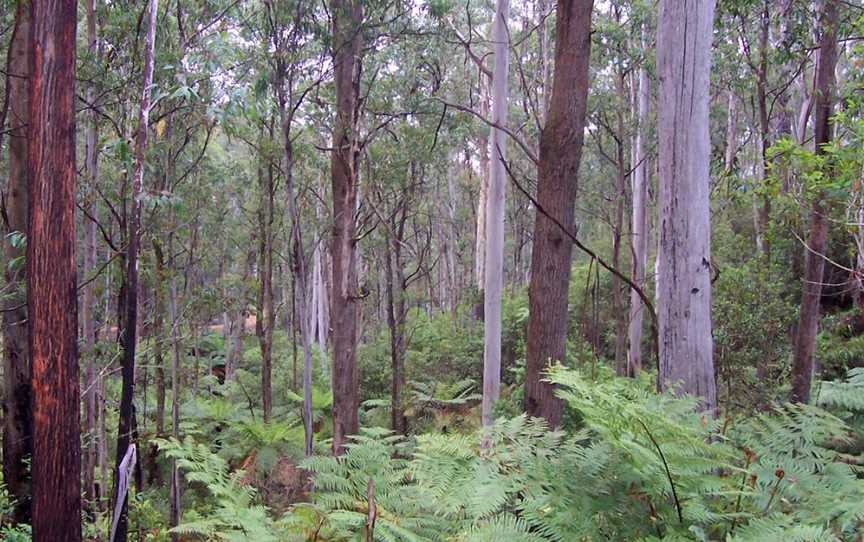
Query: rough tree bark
(17, 413)
(344, 169)
(560, 154)
(684, 281)
(126, 423)
(808, 324)
(51, 282)
(266, 312)
(495, 207)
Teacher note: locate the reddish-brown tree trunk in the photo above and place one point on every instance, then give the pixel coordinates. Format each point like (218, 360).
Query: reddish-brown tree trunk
(560, 154)
(51, 281)
(344, 165)
(18, 418)
(808, 324)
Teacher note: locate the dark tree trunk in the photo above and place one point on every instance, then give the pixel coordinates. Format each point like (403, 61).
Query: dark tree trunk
(808, 325)
(159, 316)
(17, 415)
(126, 425)
(560, 154)
(265, 318)
(51, 282)
(344, 166)
(396, 313)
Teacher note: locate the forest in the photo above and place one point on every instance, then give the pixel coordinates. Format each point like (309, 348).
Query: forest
(432, 270)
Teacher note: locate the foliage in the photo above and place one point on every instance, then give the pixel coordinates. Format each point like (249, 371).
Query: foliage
(233, 515)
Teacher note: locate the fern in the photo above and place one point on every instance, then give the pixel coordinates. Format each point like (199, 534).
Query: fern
(234, 516)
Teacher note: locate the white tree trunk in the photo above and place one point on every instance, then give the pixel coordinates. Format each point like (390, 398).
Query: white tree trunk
(482, 198)
(684, 284)
(639, 228)
(495, 216)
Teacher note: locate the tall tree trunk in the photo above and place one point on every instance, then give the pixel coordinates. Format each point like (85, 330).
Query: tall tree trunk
(618, 306)
(126, 425)
(684, 284)
(52, 305)
(495, 206)
(159, 315)
(808, 324)
(731, 151)
(395, 286)
(763, 208)
(91, 157)
(174, 490)
(639, 226)
(298, 268)
(560, 155)
(265, 318)
(452, 240)
(483, 195)
(18, 416)
(344, 169)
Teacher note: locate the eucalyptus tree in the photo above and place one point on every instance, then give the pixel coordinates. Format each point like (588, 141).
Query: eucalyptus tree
(18, 417)
(52, 308)
(686, 362)
(126, 426)
(817, 241)
(494, 258)
(560, 155)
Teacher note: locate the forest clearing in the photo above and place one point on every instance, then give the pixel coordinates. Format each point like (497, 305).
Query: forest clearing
(432, 270)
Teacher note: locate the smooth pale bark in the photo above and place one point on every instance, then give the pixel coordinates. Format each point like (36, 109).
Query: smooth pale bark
(618, 307)
(321, 306)
(52, 304)
(639, 222)
(483, 195)
(731, 132)
(344, 168)
(126, 425)
(684, 281)
(494, 281)
(560, 155)
(304, 310)
(817, 241)
(18, 415)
